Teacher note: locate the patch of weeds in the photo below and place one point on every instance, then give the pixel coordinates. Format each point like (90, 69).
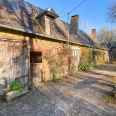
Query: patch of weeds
(56, 80)
(16, 86)
(2, 98)
(85, 66)
(109, 99)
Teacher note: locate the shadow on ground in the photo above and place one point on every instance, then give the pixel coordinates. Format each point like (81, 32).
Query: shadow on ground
(108, 67)
(78, 95)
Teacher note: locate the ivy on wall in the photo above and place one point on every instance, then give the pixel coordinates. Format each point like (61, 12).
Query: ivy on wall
(89, 58)
(61, 62)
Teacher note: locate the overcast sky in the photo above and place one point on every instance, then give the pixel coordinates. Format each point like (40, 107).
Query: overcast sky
(92, 12)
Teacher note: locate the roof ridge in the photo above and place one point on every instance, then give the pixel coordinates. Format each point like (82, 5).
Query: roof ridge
(28, 25)
(51, 9)
(32, 4)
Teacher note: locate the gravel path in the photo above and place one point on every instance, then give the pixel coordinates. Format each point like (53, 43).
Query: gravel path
(79, 95)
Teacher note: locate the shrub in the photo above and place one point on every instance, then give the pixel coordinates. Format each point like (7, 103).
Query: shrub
(85, 66)
(97, 57)
(16, 86)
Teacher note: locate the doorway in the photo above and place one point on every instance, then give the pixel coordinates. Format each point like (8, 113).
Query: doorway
(36, 66)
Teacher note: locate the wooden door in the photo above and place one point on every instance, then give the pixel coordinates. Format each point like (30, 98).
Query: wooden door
(36, 72)
(36, 67)
(14, 61)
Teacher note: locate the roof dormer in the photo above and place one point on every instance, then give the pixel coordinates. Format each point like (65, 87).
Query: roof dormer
(46, 20)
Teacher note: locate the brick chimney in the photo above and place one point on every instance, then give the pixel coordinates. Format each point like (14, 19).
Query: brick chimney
(74, 23)
(94, 33)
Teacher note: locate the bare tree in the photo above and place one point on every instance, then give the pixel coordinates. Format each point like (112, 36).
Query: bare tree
(111, 12)
(106, 35)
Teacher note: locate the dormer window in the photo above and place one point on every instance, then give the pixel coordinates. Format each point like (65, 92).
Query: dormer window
(46, 20)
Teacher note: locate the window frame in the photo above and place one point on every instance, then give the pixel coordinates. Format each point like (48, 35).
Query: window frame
(76, 55)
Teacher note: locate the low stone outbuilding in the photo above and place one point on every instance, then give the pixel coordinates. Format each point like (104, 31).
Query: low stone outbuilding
(28, 32)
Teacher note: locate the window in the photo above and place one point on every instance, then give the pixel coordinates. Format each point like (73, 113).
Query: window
(36, 57)
(75, 54)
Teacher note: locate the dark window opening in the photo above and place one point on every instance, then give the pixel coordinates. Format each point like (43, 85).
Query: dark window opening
(36, 57)
(50, 16)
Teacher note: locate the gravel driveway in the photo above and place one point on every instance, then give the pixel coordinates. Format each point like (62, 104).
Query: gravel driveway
(78, 95)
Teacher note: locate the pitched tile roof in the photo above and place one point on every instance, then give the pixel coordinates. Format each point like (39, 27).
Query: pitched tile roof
(20, 15)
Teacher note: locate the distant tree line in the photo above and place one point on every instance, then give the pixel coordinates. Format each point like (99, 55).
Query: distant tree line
(105, 34)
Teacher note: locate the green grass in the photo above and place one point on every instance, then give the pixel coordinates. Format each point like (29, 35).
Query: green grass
(110, 99)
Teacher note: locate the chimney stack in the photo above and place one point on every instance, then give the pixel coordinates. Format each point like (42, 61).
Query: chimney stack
(94, 33)
(74, 23)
